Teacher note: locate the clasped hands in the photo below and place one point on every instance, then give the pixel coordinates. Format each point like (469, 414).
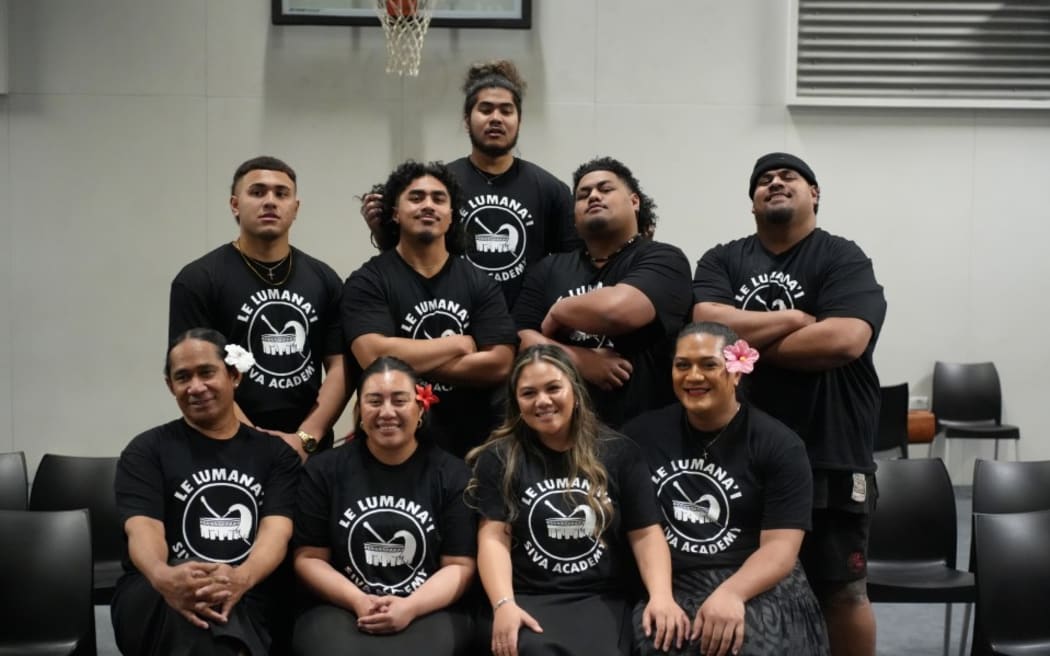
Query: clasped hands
(203, 592)
(383, 614)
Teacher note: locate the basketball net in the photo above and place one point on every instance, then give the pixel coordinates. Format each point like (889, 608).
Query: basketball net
(405, 24)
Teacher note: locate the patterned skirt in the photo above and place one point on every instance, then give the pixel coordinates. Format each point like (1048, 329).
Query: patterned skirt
(785, 619)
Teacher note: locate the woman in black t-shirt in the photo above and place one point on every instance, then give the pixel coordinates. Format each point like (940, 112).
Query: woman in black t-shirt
(382, 536)
(735, 490)
(564, 501)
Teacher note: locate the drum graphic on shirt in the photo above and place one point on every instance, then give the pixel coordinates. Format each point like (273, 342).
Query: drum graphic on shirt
(387, 548)
(280, 342)
(570, 527)
(694, 505)
(703, 510)
(497, 236)
(388, 553)
(562, 525)
(220, 521)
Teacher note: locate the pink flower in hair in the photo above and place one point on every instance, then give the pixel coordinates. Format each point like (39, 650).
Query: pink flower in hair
(740, 357)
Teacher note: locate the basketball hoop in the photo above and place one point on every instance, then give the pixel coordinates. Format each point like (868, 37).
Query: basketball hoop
(405, 24)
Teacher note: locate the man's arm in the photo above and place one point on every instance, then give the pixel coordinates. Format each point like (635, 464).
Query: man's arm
(602, 367)
(490, 365)
(826, 344)
(423, 355)
(331, 398)
(614, 310)
(760, 329)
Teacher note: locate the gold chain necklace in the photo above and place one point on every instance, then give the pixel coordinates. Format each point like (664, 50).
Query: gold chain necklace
(693, 431)
(252, 264)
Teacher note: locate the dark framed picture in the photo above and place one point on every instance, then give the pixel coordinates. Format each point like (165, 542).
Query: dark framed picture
(505, 14)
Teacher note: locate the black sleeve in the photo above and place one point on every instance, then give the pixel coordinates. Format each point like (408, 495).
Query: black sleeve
(188, 302)
(788, 493)
(279, 495)
(560, 221)
(139, 482)
(490, 321)
(531, 307)
(364, 307)
(314, 502)
(662, 274)
(850, 289)
(457, 523)
(333, 330)
(711, 281)
(637, 497)
(485, 496)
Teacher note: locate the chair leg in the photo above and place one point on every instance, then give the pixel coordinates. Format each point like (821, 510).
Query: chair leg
(947, 627)
(965, 630)
(997, 449)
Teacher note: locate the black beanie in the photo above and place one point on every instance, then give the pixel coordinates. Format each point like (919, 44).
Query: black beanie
(779, 161)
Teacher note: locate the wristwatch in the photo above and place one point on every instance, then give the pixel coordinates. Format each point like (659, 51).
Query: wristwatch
(309, 441)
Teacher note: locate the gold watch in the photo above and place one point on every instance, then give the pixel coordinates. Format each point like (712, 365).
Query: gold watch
(309, 441)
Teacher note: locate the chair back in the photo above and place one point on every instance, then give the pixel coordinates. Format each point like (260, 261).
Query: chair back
(967, 392)
(13, 484)
(914, 519)
(45, 582)
(1013, 572)
(1005, 486)
(893, 420)
(71, 482)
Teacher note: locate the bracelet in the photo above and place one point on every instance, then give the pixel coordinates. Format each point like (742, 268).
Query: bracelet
(499, 603)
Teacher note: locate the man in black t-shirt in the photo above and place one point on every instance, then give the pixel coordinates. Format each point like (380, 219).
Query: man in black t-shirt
(275, 301)
(809, 301)
(513, 211)
(420, 302)
(615, 305)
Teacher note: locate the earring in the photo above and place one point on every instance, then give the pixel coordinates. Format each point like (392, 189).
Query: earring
(419, 424)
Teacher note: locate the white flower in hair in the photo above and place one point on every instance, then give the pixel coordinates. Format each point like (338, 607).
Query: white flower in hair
(239, 358)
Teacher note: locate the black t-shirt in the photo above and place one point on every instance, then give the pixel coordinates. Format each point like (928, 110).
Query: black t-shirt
(553, 548)
(388, 297)
(755, 477)
(661, 272)
(210, 494)
(289, 328)
(387, 526)
(834, 411)
(513, 220)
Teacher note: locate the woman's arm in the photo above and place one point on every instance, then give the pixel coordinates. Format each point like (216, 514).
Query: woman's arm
(313, 567)
(654, 564)
(439, 591)
(720, 621)
(494, 566)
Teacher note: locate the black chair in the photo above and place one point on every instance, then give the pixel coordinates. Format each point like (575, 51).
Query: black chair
(1001, 487)
(893, 420)
(911, 549)
(70, 482)
(45, 584)
(967, 402)
(13, 483)
(1013, 581)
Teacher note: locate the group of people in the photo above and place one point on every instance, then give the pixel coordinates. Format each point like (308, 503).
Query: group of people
(565, 441)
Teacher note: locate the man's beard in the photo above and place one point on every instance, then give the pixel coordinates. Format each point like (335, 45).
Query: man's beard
(427, 237)
(779, 216)
(596, 227)
(492, 150)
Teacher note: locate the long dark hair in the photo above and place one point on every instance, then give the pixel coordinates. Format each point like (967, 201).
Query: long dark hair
(205, 335)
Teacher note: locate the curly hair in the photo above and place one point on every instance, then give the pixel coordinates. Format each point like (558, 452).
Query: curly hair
(500, 73)
(513, 441)
(646, 205)
(389, 232)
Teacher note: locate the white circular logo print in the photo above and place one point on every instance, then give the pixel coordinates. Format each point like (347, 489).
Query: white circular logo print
(386, 547)
(219, 523)
(438, 323)
(562, 525)
(497, 238)
(771, 296)
(277, 337)
(695, 506)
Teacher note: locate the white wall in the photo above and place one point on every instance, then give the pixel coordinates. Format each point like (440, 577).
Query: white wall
(126, 118)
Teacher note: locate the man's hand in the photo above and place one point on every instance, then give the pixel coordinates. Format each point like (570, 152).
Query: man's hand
(227, 586)
(290, 439)
(605, 368)
(180, 586)
(372, 211)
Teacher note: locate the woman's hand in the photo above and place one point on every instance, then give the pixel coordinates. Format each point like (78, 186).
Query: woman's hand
(720, 623)
(389, 615)
(665, 622)
(507, 620)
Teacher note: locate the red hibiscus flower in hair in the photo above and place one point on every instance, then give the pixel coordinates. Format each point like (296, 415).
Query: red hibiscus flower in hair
(426, 397)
